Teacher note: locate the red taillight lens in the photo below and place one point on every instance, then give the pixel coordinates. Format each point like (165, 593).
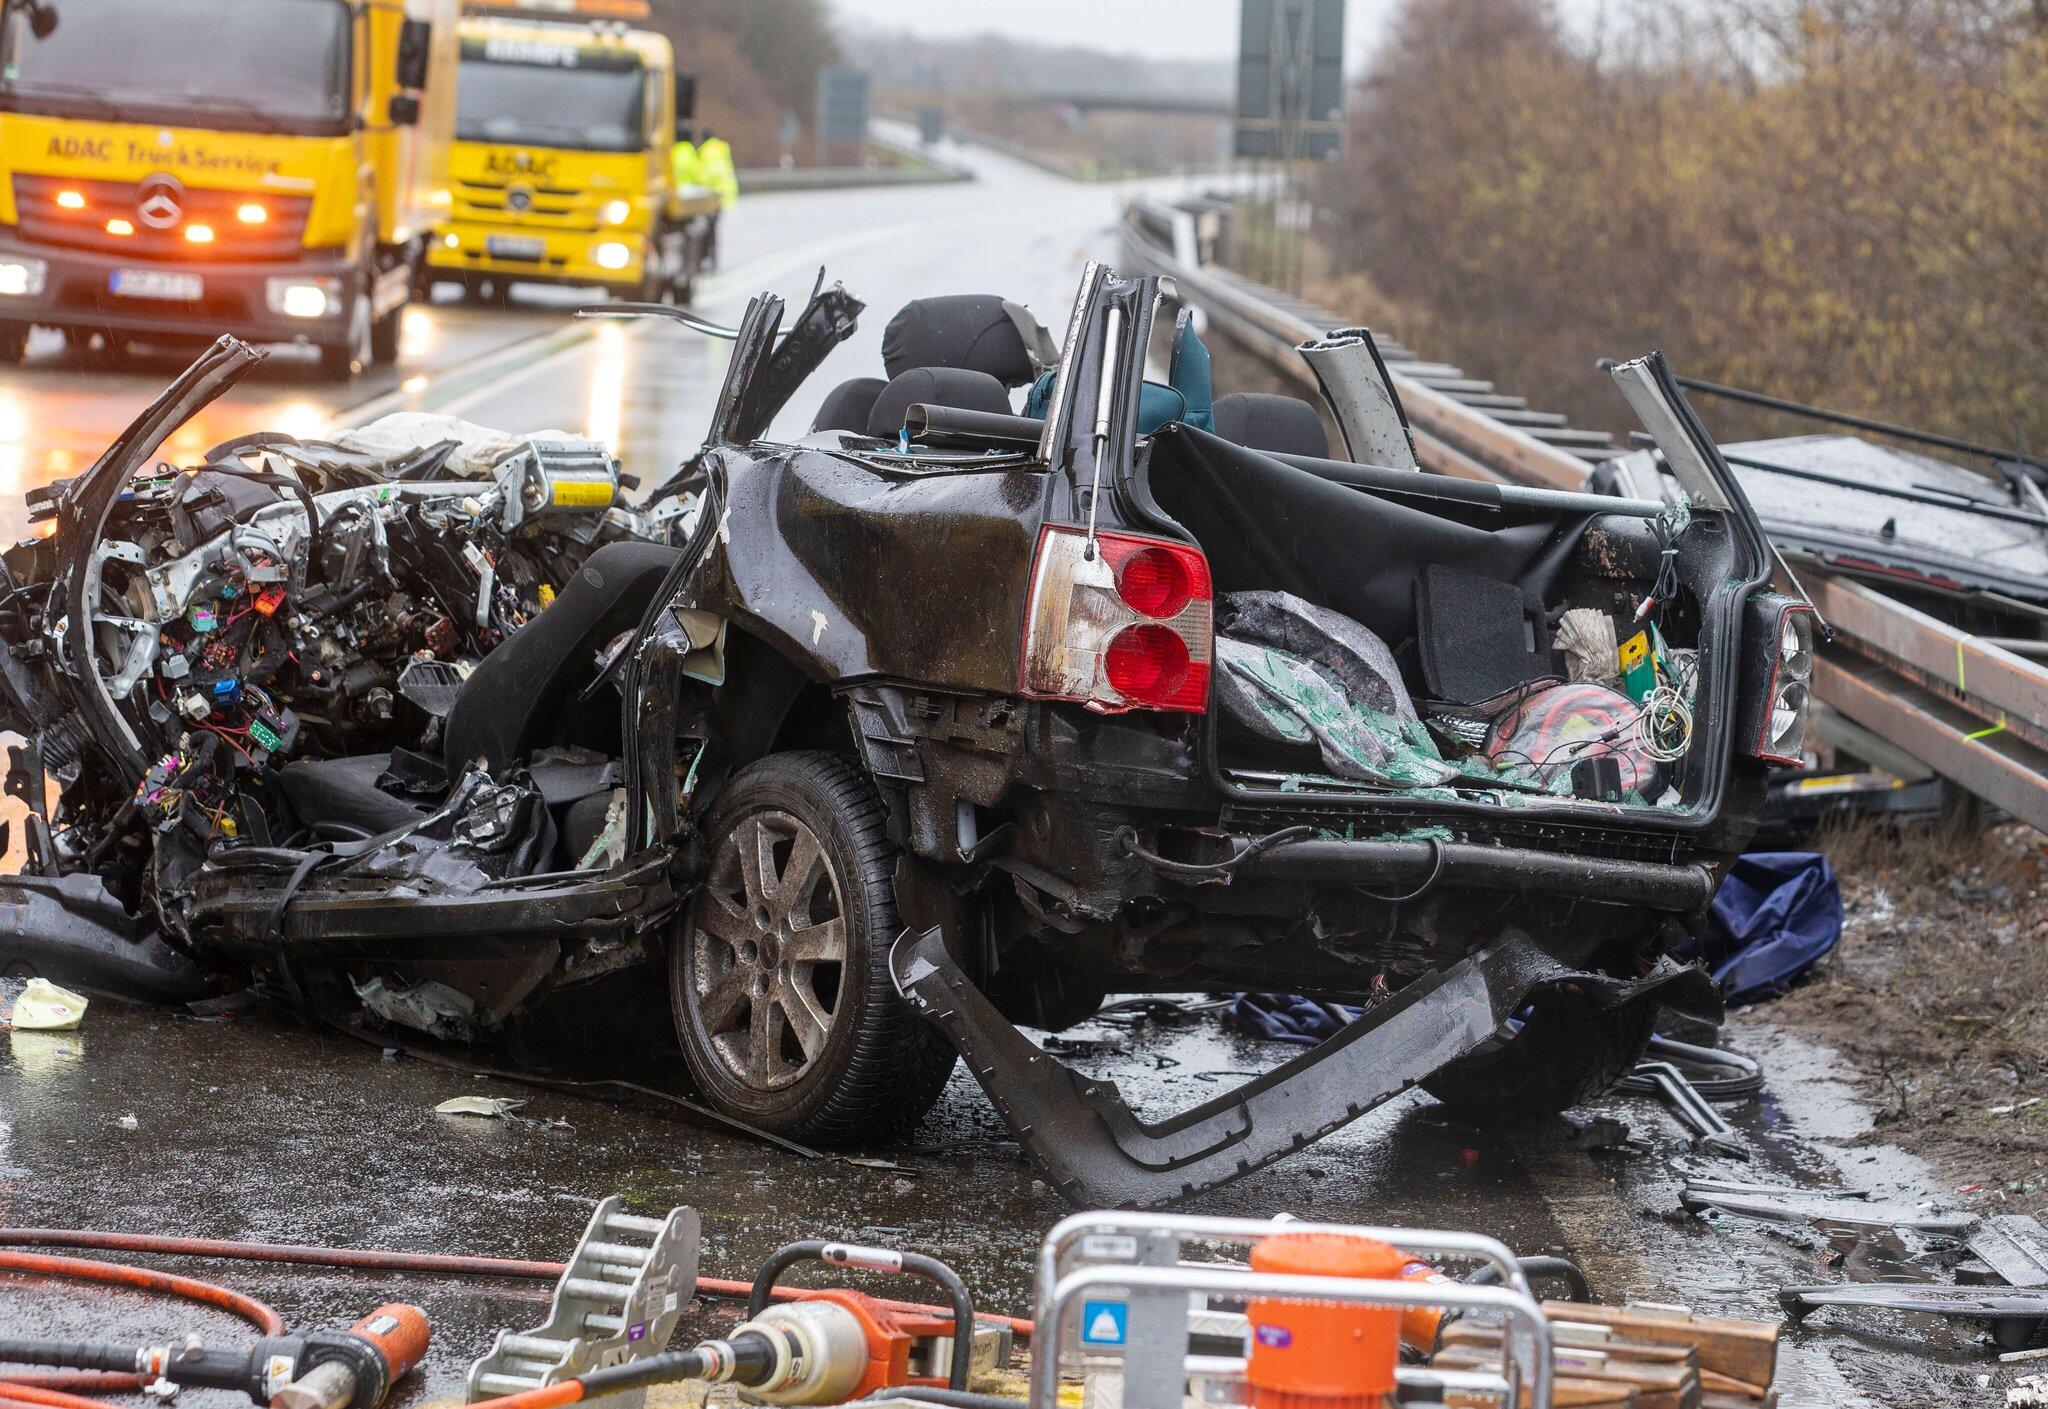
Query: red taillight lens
(1130, 627)
(1155, 582)
(1148, 665)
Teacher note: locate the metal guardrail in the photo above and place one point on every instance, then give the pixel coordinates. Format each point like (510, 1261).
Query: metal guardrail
(1972, 712)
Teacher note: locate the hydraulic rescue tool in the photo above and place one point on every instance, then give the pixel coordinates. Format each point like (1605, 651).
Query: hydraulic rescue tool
(346, 1369)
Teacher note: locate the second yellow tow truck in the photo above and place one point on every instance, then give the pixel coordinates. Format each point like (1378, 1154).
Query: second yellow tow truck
(561, 165)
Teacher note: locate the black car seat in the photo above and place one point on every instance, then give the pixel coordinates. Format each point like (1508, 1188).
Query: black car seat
(966, 332)
(846, 406)
(1277, 425)
(934, 386)
(508, 706)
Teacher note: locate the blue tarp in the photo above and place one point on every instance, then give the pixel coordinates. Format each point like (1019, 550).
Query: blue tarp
(1286, 1017)
(1775, 917)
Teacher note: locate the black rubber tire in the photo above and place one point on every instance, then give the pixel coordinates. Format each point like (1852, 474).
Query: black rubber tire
(1565, 1054)
(342, 361)
(385, 336)
(882, 1067)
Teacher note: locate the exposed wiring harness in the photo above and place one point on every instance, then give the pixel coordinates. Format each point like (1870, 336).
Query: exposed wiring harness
(1208, 872)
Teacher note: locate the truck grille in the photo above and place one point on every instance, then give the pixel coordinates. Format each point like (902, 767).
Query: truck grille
(542, 207)
(76, 214)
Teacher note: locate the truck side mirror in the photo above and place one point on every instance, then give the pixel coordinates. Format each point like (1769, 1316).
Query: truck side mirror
(415, 45)
(404, 109)
(42, 18)
(686, 99)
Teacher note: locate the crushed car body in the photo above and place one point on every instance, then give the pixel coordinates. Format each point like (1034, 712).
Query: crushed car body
(1018, 681)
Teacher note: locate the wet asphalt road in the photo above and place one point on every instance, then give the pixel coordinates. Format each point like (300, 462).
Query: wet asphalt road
(255, 1128)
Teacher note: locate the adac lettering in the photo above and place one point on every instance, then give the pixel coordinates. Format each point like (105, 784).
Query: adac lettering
(82, 148)
(518, 164)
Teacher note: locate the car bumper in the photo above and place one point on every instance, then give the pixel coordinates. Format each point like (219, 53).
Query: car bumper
(78, 292)
(551, 256)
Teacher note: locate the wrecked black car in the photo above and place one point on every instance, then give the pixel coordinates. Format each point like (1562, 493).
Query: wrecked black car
(1020, 680)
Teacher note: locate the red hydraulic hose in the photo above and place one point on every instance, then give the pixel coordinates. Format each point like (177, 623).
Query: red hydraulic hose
(381, 1260)
(42, 1389)
(44, 1398)
(141, 1279)
(73, 1381)
(546, 1397)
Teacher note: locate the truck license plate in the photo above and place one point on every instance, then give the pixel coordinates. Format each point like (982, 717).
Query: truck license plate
(157, 283)
(520, 247)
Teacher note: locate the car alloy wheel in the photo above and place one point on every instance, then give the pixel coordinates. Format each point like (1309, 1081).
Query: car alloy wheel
(768, 967)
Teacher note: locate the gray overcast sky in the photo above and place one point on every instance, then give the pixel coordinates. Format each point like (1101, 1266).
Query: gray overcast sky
(1180, 29)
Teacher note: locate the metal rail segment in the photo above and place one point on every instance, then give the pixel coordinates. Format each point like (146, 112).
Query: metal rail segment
(1971, 711)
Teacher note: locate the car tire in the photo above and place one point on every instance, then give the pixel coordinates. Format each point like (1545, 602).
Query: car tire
(341, 361)
(1565, 1054)
(13, 342)
(818, 1048)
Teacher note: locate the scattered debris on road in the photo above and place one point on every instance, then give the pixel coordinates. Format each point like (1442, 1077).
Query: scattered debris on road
(41, 1006)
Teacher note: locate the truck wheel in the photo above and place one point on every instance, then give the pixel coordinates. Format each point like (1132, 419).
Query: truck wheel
(1564, 1054)
(778, 978)
(340, 361)
(13, 342)
(384, 336)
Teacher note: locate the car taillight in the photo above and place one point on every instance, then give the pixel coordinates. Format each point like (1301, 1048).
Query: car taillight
(1781, 713)
(1129, 628)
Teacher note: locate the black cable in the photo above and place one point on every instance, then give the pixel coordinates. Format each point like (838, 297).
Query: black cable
(1436, 873)
(68, 1355)
(291, 484)
(1225, 870)
(952, 1399)
(915, 1264)
(1535, 1268)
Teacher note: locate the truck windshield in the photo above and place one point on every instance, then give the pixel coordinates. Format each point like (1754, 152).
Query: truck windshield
(248, 65)
(546, 96)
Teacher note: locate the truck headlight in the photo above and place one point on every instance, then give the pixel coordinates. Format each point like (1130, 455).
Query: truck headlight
(617, 212)
(612, 255)
(21, 278)
(303, 298)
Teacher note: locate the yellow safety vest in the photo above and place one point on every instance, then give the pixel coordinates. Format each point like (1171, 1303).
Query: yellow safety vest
(714, 161)
(685, 165)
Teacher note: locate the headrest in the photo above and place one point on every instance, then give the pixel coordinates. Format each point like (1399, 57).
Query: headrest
(1279, 425)
(974, 332)
(935, 386)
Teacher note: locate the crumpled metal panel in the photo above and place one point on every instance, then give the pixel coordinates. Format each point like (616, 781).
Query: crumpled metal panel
(853, 569)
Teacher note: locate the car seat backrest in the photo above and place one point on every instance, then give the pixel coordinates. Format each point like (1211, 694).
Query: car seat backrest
(1278, 425)
(507, 707)
(935, 386)
(972, 332)
(847, 406)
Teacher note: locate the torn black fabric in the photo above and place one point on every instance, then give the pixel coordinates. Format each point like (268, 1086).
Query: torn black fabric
(1269, 526)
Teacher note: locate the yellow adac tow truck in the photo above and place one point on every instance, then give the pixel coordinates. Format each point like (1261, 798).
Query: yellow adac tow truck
(561, 167)
(268, 168)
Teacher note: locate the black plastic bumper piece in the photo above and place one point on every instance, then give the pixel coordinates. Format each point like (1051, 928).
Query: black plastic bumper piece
(1098, 1154)
(70, 931)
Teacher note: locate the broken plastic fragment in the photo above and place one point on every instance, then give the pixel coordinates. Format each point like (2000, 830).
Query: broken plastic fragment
(483, 1107)
(44, 1007)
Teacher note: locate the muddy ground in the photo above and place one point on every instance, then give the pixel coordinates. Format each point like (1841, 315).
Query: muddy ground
(1939, 996)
